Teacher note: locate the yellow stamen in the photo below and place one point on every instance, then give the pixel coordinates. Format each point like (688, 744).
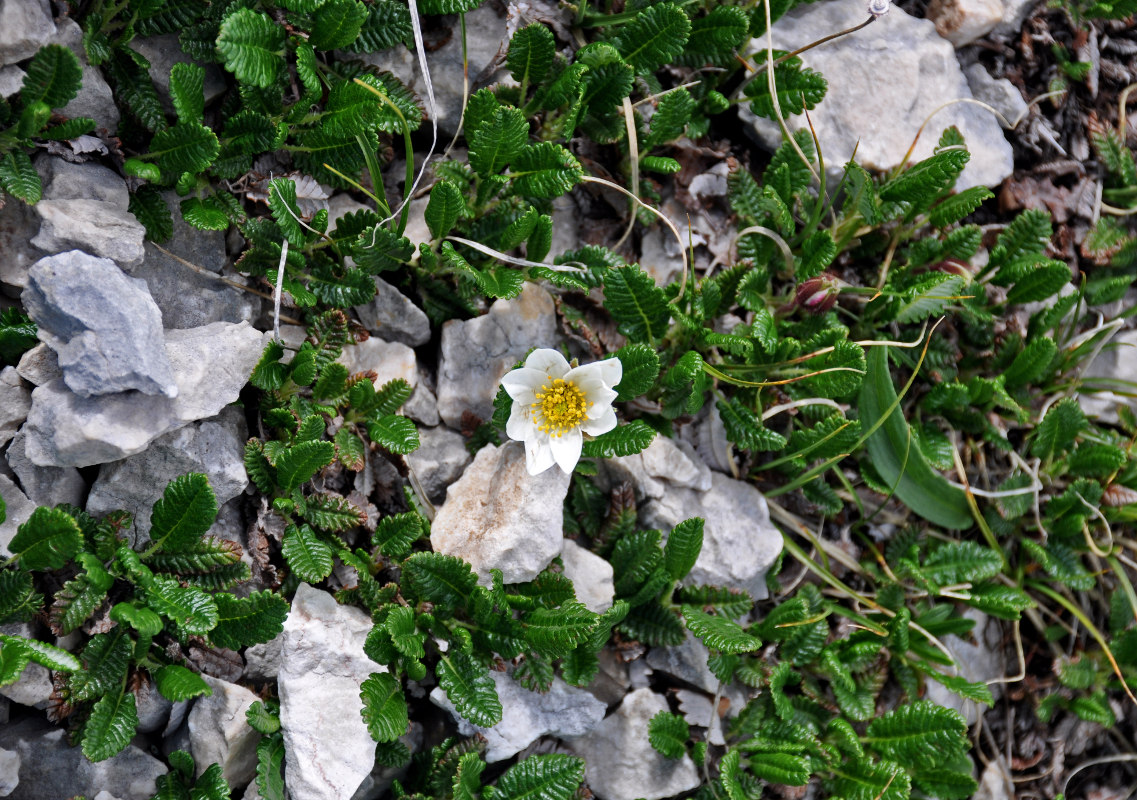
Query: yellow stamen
(560, 407)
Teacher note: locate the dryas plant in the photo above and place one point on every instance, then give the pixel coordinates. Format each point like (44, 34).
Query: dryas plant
(139, 606)
(52, 80)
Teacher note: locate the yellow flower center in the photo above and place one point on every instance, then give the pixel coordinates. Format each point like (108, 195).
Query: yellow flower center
(560, 407)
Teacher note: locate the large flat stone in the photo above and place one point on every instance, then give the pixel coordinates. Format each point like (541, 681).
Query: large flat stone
(211, 365)
(498, 516)
(884, 82)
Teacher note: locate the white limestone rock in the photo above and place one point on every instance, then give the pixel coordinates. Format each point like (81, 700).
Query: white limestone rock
(15, 401)
(961, 22)
(591, 576)
(620, 761)
(884, 82)
(477, 352)
(498, 516)
(329, 752)
(104, 327)
(51, 768)
(526, 716)
(85, 207)
(219, 732)
(739, 541)
(214, 447)
(211, 365)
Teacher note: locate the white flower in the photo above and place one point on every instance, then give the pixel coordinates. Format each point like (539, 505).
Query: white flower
(555, 403)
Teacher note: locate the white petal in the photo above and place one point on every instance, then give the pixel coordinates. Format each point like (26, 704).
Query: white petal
(611, 371)
(600, 399)
(603, 423)
(538, 453)
(548, 362)
(520, 423)
(566, 449)
(521, 384)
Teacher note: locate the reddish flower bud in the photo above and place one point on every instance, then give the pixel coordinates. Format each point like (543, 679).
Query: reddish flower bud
(953, 266)
(817, 295)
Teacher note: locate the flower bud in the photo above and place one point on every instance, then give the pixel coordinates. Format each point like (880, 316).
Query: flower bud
(817, 295)
(953, 266)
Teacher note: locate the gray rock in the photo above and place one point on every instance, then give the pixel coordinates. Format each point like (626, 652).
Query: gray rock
(162, 52)
(262, 661)
(485, 33)
(739, 541)
(211, 366)
(104, 326)
(961, 22)
(498, 516)
(18, 509)
(9, 771)
(687, 662)
(153, 709)
(612, 681)
(1114, 363)
(39, 365)
(979, 662)
(1015, 13)
(620, 763)
(394, 317)
(477, 352)
(329, 752)
(11, 80)
(999, 93)
(422, 406)
(25, 27)
(94, 100)
(666, 464)
(591, 576)
(33, 688)
(45, 486)
(439, 460)
(388, 360)
(884, 81)
(219, 732)
(18, 224)
(52, 768)
(84, 207)
(15, 400)
(526, 716)
(214, 447)
(186, 297)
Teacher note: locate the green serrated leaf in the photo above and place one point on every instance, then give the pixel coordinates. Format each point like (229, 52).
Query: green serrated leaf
(470, 688)
(110, 727)
(47, 540)
(184, 512)
(384, 707)
(654, 38)
(623, 440)
(53, 77)
(307, 556)
(683, 546)
(668, 734)
(176, 683)
(718, 633)
(252, 47)
(244, 621)
(444, 208)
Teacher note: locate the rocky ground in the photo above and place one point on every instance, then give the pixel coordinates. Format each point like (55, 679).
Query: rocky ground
(145, 352)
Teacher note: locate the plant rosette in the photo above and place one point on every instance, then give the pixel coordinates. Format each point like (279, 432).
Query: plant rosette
(556, 403)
